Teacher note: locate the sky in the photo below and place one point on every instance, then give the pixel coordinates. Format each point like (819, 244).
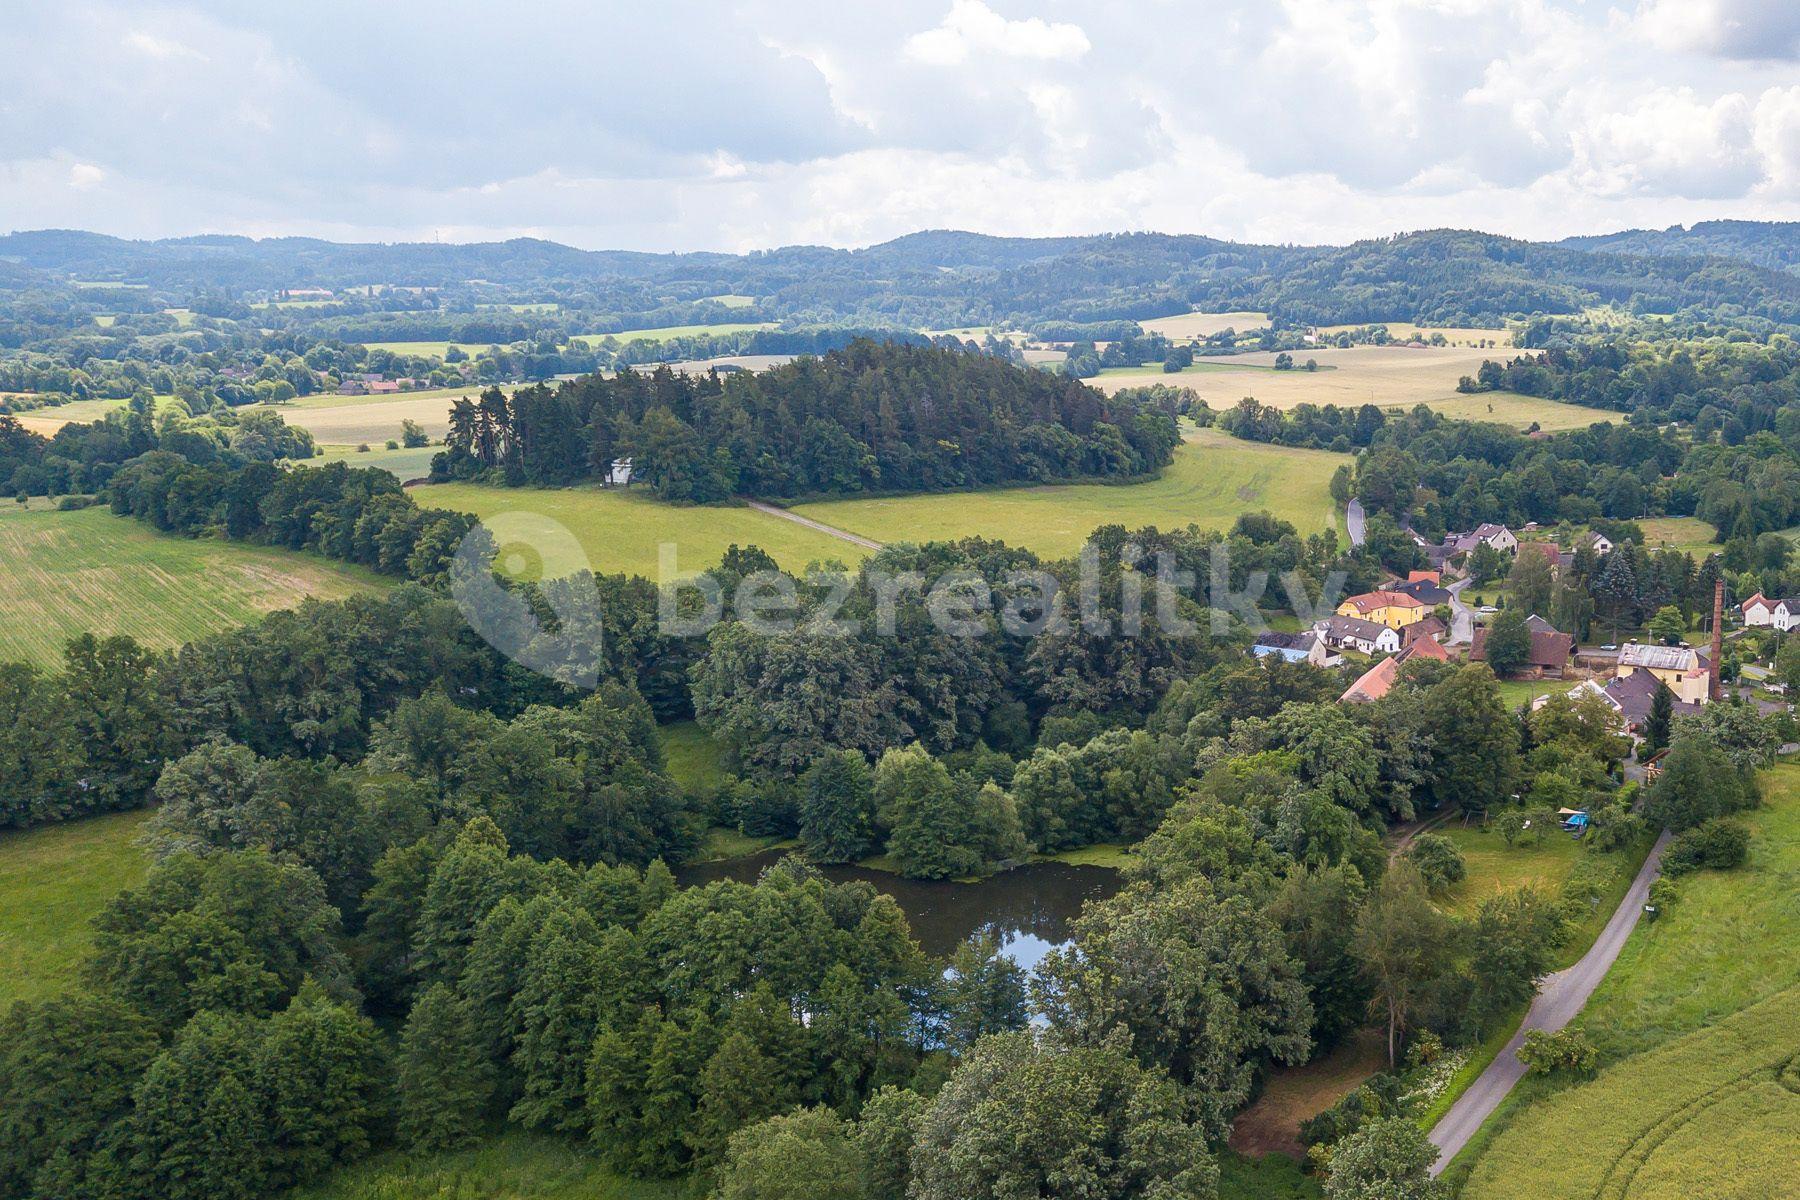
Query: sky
(718, 125)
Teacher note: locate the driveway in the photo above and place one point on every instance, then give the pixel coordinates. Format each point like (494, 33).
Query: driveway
(1558, 1001)
(1462, 617)
(1353, 521)
(773, 510)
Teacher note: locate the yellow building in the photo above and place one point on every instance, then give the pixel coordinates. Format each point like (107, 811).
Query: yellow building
(1677, 666)
(1396, 610)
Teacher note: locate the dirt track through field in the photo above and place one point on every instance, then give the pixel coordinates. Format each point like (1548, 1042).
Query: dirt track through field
(855, 539)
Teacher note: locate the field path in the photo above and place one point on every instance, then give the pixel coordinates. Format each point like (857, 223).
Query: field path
(1558, 1001)
(1353, 521)
(855, 539)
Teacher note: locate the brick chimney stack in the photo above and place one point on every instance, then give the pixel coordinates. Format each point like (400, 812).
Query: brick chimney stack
(1718, 641)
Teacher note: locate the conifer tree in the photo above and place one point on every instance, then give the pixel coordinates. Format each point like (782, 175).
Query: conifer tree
(446, 1082)
(837, 808)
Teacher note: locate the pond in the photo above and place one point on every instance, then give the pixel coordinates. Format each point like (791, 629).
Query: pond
(1031, 908)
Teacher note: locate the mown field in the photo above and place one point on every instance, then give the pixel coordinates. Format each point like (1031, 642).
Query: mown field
(1213, 479)
(1690, 535)
(1694, 1024)
(404, 464)
(52, 881)
(619, 530)
(1385, 376)
(1186, 326)
(91, 572)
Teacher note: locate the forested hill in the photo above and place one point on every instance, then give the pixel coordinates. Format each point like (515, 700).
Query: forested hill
(945, 279)
(875, 417)
(1771, 244)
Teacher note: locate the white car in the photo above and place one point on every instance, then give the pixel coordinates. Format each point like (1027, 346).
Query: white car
(1487, 608)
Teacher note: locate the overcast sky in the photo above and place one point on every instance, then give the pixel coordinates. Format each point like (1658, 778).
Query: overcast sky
(711, 124)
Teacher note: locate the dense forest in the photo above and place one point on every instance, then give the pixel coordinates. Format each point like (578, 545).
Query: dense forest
(874, 417)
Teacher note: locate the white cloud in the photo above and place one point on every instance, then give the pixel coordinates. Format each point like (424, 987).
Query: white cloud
(1733, 29)
(971, 27)
(742, 123)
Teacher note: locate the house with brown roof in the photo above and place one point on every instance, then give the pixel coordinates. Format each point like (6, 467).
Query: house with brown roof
(1758, 610)
(1549, 653)
(1391, 608)
(1432, 629)
(1372, 684)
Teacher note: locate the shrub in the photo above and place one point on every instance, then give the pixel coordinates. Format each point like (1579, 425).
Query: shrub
(1426, 1049)
(1717, 845)
(1567, 1050)
(1663, 894)
(1440, 864)
(1378, 1096)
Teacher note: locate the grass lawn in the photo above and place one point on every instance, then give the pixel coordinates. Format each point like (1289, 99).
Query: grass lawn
(1689, 1023)
(1690, 535)
(1101, 854)
(692, 756)
(1390, 377)
(1514, 692)
(1213, 479)
(621, 530)
(512, 1166)
(404, 464)
(55, 878)
(626, 336)
(91, 572)
(1495, 867)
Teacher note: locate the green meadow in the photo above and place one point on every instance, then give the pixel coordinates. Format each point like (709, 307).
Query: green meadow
(619, 530)
(1213, 480)
(55, 878)
(91, 572)
(1698, 1025)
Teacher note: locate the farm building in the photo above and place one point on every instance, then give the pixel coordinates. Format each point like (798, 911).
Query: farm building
(1354, 633)
(1549, 654)
(1296, 647)
(1678, 666)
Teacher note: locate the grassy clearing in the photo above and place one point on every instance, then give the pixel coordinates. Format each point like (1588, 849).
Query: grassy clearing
(1213, 479)
(627, 336)
(722, 843)
(1274, 1177)
(694, 759)
(91, 572)
(512, 1166)
(1102, 854)
(55, 879)
(78, 412)
(621, 530)
(1495, 867)
(404, 464)
(1391, 377)
(732, 301)
(1690, 535)
(1271, 1124)
(1687, 1022)
(373, 420)
(1185, 326)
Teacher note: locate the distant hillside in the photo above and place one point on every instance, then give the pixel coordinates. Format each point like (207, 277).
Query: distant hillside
(1772, 244)
(941, 279)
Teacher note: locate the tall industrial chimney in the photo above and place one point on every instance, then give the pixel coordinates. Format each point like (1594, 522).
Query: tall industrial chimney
(1718, 642)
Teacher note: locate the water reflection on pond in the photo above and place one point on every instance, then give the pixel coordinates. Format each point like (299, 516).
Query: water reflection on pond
(1031, 908)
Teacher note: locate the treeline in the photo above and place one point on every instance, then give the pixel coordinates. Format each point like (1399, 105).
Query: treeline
(875, 417)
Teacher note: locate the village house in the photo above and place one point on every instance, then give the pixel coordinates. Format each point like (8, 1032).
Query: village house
(1498, 536)
(1785, 615)
(1598, 542)
(1393, 609)
(1431, 629)
(1549, 654)
(1558, 558)
(1631, 697)
(1379, 679)
(1307, 647)
(1758, 610)
(1354, 633)
(1678, 666)
(1423, 586)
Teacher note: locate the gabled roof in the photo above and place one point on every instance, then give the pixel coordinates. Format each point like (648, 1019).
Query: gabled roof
(1547, 649)
(1660, 658)
(1373, 683)
(1753, 601)
(1633, 695)
(1537, 624)
(1423, 647)
(1427, 628)
(1287, 641)
(1383, 598)
(1341, 628)
(1424, 591)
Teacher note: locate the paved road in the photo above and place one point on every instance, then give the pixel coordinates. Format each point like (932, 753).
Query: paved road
(1558, 1001)
(796, 518)
(1462, 617)
(1353, 521)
